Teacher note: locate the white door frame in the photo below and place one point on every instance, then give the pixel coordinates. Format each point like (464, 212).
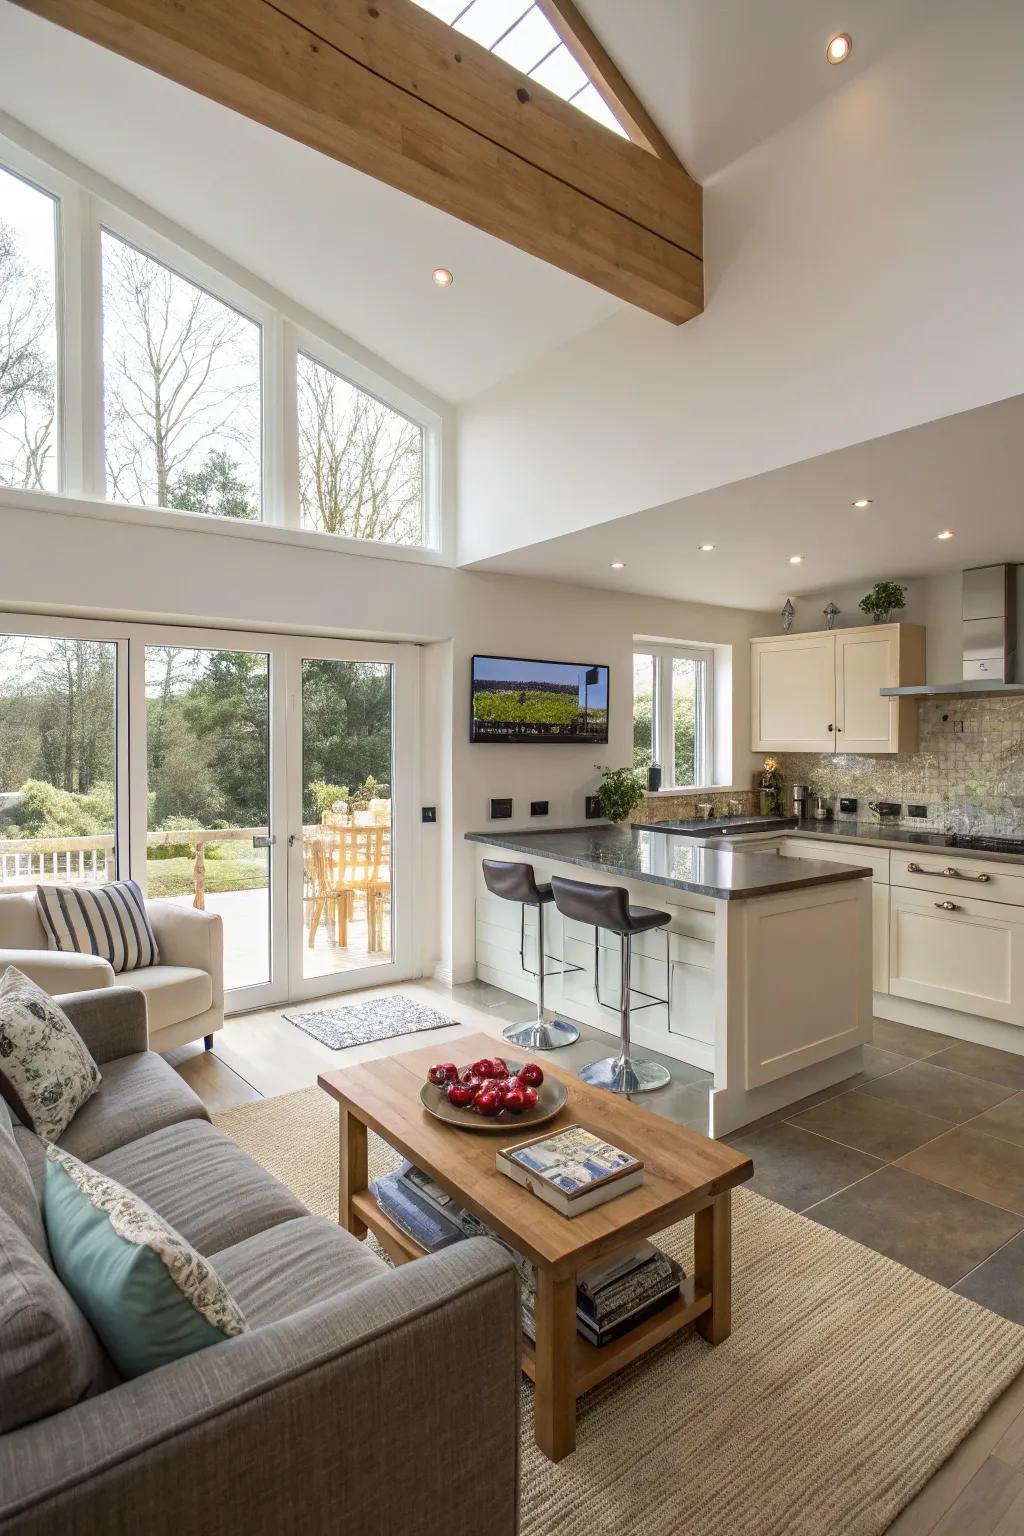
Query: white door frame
(404, 661)
(286, 653)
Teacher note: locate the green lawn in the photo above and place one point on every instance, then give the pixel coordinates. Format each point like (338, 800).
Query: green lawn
(175, 877)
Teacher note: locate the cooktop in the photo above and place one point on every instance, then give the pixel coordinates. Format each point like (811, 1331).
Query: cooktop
(986, 844)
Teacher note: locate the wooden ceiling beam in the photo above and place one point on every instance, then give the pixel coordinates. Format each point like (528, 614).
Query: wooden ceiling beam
(387, 88)
(608, 80)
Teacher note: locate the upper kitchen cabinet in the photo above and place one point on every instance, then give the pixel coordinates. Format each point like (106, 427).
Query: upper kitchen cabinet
(822, 692)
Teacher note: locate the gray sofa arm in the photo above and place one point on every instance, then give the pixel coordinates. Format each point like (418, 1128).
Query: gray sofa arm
(373, 1414)
(56, 971)
(112, 1021)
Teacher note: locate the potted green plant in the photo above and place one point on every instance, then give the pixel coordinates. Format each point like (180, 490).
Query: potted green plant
(620, 792)
(883, 600)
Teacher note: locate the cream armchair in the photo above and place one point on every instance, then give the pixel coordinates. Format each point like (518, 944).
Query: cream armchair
(184, 993)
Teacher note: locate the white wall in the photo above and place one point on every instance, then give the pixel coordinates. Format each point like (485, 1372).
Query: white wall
(933, 601)
(863, 275)
(96, 565)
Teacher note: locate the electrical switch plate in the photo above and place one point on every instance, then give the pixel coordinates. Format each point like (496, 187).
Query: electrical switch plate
(919, 811)
(538, 807)
(429, 813)
(593, 808)
(501, 810)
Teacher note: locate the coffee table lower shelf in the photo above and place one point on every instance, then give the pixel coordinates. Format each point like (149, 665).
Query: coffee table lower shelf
(592, 1365)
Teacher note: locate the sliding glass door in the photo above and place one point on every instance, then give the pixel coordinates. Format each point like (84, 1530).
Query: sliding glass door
(266, 778)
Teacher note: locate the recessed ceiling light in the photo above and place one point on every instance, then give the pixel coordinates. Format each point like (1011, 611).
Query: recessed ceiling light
(705, 549)
(839, 48)
(796, 559)
(863, 501)
(442, 277)
(618, 565)
(947, 533)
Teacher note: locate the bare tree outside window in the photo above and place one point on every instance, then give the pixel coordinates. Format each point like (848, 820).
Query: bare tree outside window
(181, 384)
(28, 337)
(360, 462)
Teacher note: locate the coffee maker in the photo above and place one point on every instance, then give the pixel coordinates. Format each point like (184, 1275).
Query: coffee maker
(799, 800)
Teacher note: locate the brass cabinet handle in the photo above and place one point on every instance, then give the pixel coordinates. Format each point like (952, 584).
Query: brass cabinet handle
(949, 873)
(947, 906)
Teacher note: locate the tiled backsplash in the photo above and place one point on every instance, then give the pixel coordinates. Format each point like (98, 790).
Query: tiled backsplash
(683, 807)
(969, 768)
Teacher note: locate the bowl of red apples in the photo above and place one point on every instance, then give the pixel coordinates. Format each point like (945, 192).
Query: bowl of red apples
(491, 1094)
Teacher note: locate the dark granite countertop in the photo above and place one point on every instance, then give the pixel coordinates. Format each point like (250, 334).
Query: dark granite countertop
(664, 858)
(869, 834)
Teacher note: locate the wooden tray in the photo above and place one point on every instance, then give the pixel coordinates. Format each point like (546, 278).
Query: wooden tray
(551, 1096)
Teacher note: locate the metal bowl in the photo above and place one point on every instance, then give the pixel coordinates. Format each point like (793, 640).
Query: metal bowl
(551, 1095)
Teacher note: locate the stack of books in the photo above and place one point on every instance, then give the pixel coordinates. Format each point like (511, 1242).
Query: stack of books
(574, 1170)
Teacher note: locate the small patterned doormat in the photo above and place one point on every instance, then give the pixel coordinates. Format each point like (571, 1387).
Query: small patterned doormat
(380, 1018)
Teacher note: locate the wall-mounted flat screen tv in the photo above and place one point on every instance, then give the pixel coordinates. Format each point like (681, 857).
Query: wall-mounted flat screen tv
(517, 700)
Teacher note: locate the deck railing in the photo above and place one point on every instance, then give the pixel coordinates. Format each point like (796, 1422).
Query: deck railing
(25, 861)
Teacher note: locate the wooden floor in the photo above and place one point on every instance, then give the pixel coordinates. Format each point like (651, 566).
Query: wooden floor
(978, 1492)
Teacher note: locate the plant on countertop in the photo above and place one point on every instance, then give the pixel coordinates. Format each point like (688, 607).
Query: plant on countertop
(620, 792)
(883, 600)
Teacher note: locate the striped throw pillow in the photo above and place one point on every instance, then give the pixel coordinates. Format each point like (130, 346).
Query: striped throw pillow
(105, 920)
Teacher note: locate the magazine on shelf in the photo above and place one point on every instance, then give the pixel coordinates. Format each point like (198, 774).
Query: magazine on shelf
(611, 1331)
(573, 1171)
(416, 1217)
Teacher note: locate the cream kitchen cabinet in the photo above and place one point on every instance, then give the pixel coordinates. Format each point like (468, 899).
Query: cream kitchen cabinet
(822, 692)
(877, 860)
(957, 952)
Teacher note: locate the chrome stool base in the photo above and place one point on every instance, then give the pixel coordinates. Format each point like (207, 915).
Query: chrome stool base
(624, 1074)
(541, 1034)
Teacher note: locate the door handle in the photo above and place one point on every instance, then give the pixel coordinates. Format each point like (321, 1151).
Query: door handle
(264, 840)
(947, 906)
(831, 727)
(949, 873)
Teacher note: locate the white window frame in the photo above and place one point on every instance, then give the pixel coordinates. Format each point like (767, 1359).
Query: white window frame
(86, 205)
(662, 723)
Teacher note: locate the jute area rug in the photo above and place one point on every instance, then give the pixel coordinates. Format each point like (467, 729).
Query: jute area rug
(847, 1380)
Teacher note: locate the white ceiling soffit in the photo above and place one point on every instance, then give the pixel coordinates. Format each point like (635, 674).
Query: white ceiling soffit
(960, 473)
(347, 247)
(719, 76)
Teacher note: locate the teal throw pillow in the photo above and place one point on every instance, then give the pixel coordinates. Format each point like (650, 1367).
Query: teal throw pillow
(148, 1294)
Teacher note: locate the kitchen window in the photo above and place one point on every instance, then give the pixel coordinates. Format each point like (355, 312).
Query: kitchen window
(673, 713)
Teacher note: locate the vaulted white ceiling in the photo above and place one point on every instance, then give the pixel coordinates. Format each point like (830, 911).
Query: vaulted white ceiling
(718, 74)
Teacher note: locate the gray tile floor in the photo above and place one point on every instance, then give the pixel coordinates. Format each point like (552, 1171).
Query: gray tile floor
(921, 1156)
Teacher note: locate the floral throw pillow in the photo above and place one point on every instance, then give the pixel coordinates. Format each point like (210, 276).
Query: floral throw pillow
(146, 1291)
(46, 1072)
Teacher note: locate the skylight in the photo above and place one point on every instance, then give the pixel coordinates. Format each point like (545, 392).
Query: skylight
(521, 34)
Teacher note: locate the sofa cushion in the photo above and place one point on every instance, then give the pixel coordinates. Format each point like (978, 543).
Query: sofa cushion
(203, 1184)
(46, 1072)
(106, 920)
(173, 993)
(139, 1094)
(151, 1298)
(49, 1356)
(17, 1194)
(293, 1265)
(21, 927)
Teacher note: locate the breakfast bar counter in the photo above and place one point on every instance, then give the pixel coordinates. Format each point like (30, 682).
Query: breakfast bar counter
(762, 977)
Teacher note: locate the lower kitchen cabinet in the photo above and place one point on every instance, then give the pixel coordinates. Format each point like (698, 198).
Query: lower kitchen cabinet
(868, 858)
(957, 952)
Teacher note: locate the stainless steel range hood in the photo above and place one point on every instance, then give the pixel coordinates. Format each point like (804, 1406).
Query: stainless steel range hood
(989, 637)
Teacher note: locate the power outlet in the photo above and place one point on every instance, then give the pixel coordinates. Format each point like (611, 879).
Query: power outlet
(501, 810)
(593, 808)
(538, 807)
(920, 812)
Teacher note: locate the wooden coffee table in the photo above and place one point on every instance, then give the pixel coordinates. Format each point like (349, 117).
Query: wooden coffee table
(686, 1175)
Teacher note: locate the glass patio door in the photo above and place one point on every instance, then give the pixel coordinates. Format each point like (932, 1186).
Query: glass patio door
(350, 777)
(208, 841)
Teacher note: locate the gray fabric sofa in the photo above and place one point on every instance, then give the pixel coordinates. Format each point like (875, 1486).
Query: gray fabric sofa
(361, 1400)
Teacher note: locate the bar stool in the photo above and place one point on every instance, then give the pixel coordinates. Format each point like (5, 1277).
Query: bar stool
(516, 882)
(607, 906)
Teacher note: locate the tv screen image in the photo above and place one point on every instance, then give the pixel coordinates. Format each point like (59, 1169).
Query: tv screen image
(519, 700)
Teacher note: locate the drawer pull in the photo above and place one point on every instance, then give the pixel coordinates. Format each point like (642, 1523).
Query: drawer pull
(947, 906)
(949, 872)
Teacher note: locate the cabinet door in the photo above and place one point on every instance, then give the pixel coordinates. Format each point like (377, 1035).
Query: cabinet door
(970, 958)
(878, 863)
(867, 661)
(793, 694)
